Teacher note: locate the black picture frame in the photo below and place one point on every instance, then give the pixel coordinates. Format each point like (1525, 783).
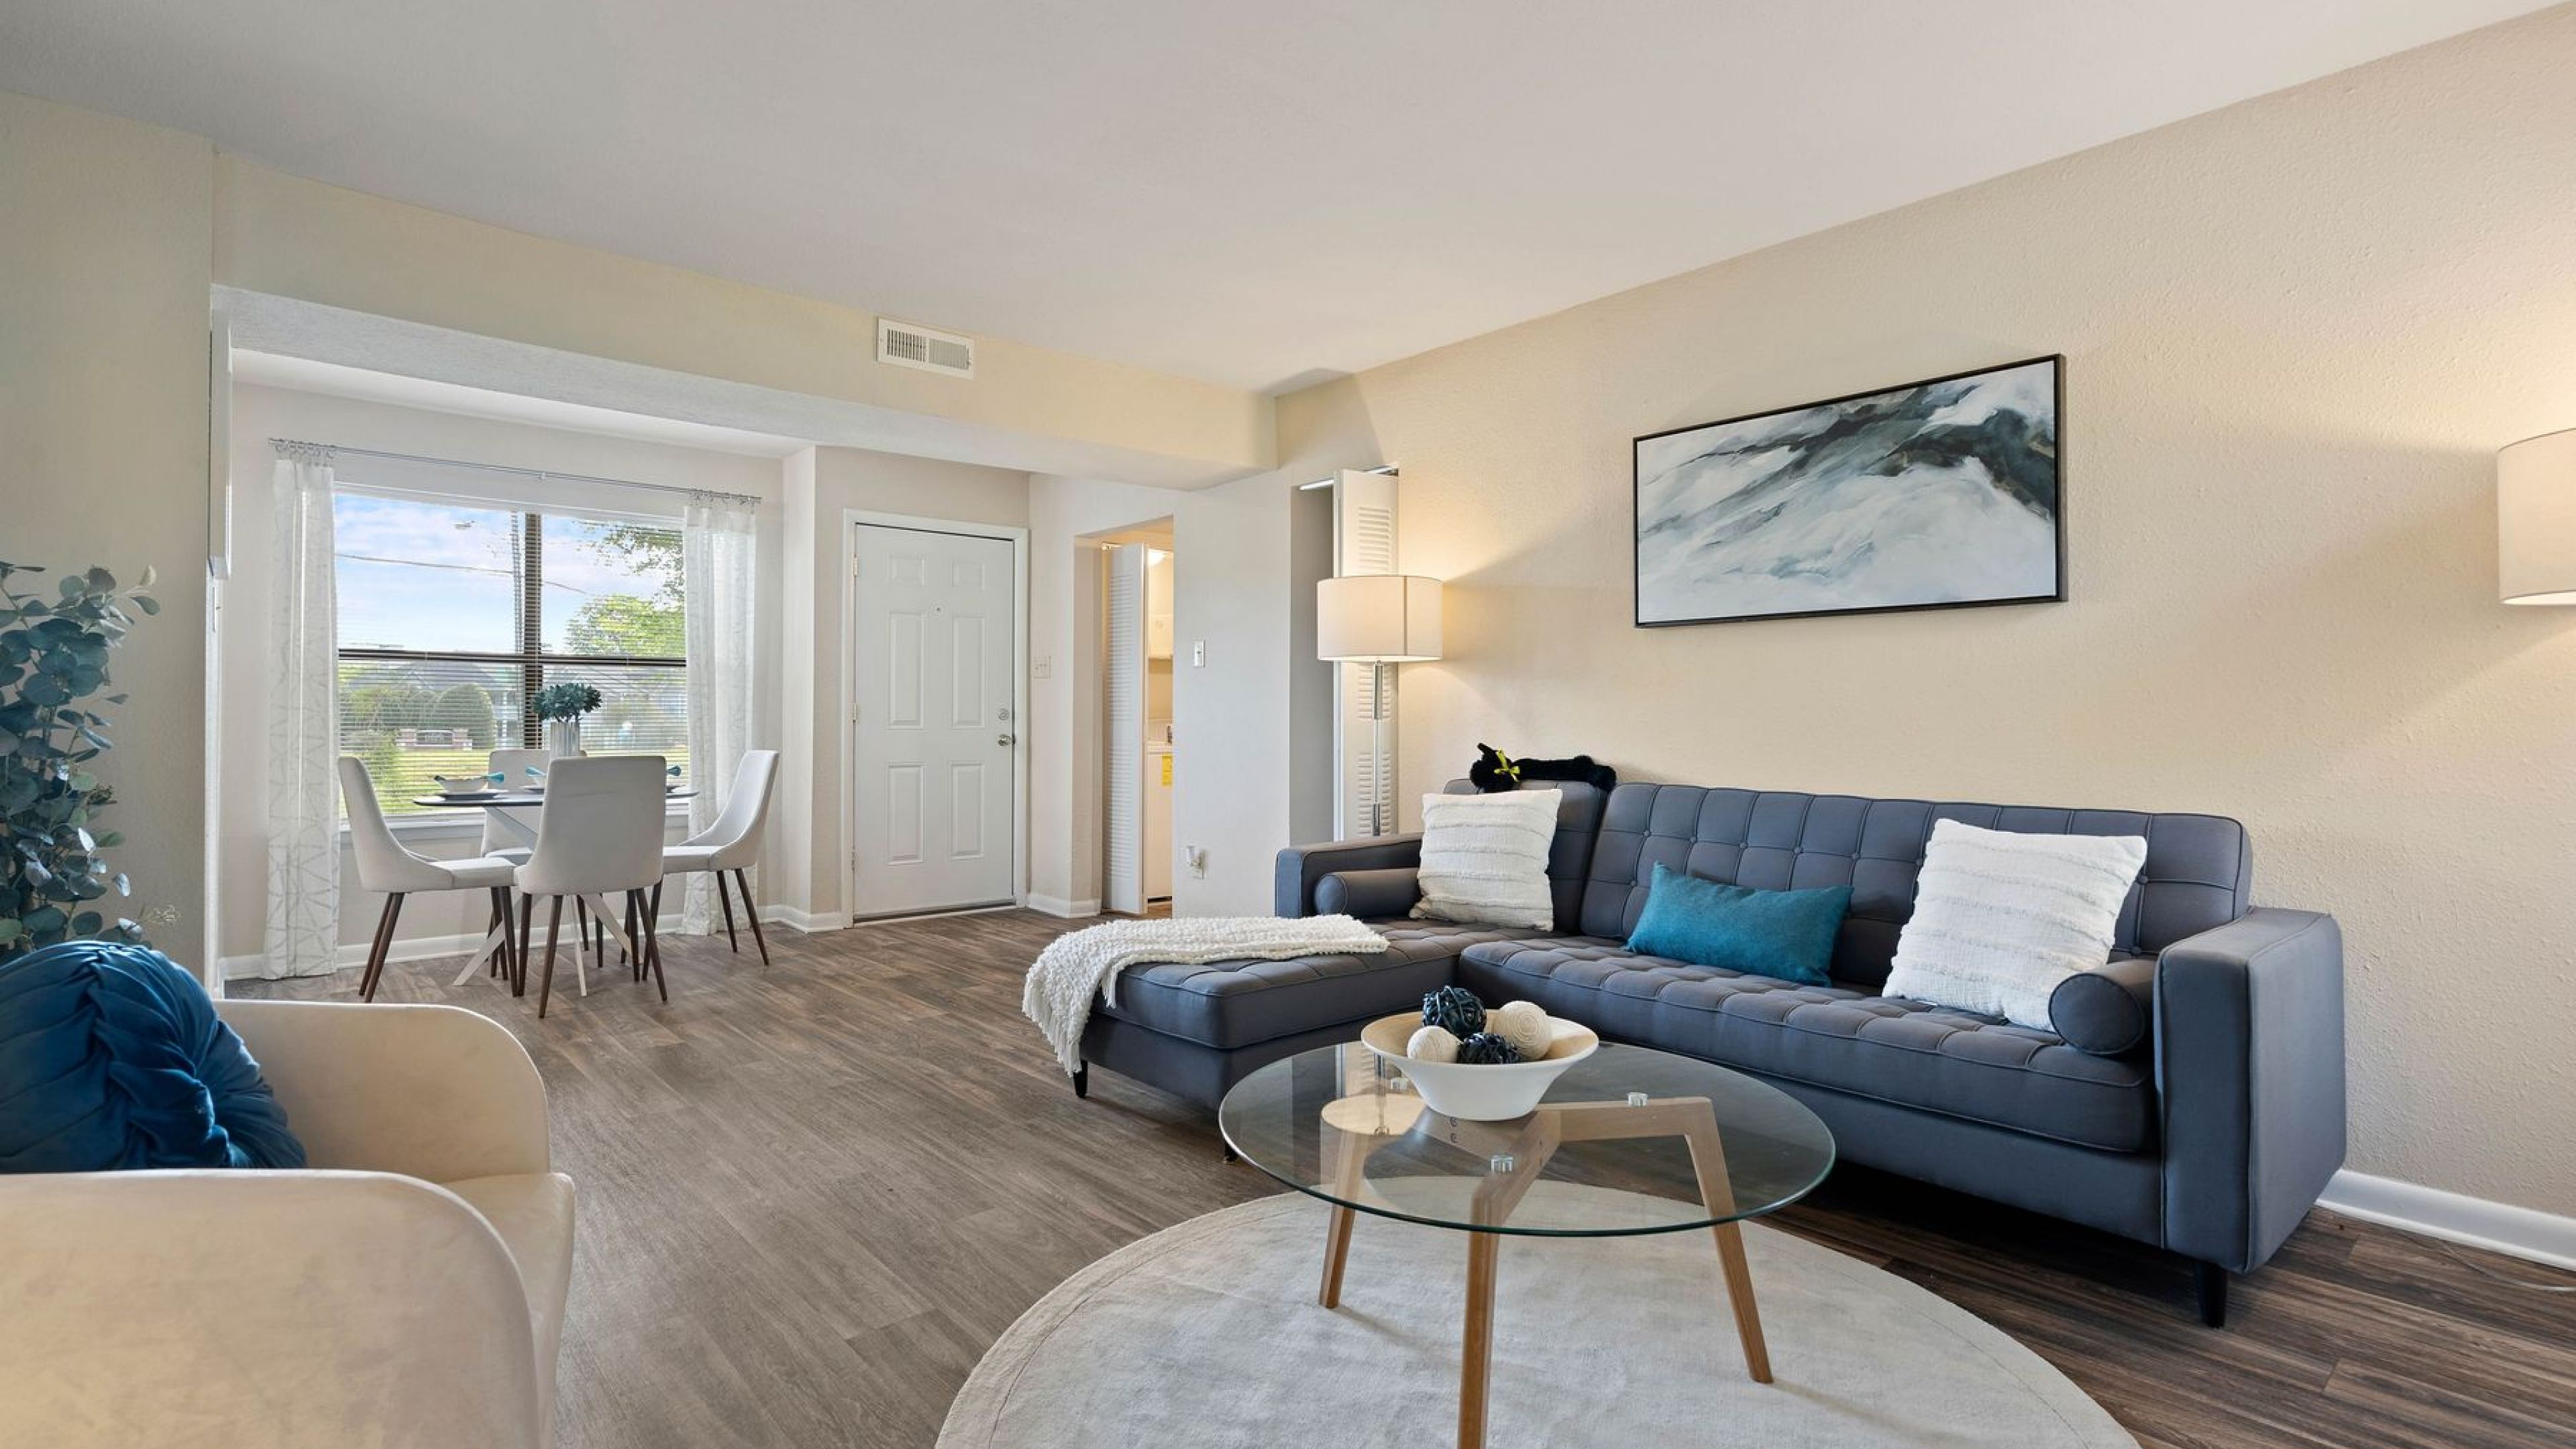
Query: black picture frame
(2056, 363)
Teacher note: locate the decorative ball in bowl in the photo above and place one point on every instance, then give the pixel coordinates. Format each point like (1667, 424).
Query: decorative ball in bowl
(1506, 1083)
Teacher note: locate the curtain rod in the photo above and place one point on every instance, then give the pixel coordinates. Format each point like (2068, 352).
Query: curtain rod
(288, 444)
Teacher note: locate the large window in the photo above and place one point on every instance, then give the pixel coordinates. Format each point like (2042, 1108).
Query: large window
(453, 615)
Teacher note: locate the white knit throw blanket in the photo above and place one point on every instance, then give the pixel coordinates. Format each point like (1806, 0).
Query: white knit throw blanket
(1079, 966)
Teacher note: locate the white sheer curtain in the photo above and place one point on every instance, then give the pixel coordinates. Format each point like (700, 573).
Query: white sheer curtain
(717, 548)
(303, 816)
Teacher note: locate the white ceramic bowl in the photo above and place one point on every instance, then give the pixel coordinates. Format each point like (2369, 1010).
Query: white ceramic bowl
(459, 789)
(1486, 1092)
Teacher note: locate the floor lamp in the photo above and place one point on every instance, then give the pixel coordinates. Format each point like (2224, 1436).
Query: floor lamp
(1378, 620)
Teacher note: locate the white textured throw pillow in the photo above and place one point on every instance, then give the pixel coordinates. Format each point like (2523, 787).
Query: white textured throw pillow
(2001, 918)
(1484, 858)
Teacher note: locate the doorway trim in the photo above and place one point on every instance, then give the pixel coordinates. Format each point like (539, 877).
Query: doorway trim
(852, 520)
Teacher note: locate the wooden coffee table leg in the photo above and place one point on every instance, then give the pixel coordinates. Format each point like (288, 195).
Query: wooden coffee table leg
(1337, 1251)
(1476, 1353)
(1347, 1154)
(1708, 1161)
(1739, 1295)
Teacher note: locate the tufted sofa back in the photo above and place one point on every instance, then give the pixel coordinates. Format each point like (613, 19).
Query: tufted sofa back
(2198, 874)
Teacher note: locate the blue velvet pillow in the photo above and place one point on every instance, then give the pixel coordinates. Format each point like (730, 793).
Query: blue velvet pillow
(1787, 934)
(111, 1057)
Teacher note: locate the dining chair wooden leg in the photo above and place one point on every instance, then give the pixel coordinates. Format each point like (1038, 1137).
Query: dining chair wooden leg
(383, 943)
(580, 924)
(653, 941)
(626, 945)
(495, 962)
(725, 898)
(527, 926)
(502, 962)
(513, 967)
(743, 882)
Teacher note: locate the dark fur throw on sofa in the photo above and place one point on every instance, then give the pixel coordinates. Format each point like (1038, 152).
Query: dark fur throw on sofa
(1495, 771)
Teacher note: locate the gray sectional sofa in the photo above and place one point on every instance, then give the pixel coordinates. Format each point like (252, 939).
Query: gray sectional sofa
(2203, 1110)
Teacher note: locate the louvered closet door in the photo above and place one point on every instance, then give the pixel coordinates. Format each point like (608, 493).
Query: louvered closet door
(1364, 773)
(932, 779)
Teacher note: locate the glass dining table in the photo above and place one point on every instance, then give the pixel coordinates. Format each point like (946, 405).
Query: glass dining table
(514, 812)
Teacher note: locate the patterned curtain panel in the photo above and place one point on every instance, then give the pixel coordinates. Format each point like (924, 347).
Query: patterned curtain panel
(717, 549)
(303, 806)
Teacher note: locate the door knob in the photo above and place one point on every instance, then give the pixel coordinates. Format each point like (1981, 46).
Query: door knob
(1005, 741)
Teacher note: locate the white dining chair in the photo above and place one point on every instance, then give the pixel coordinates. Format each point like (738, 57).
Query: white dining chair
(733, 842)
(598, 834)
(503, 837)
(385, 865)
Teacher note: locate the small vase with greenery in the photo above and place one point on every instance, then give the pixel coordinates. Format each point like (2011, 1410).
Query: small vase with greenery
(54, 654)
(561, 706)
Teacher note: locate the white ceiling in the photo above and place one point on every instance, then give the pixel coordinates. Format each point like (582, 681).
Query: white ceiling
(1254, 195)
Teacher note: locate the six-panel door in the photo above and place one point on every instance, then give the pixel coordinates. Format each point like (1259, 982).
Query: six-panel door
(935, 734)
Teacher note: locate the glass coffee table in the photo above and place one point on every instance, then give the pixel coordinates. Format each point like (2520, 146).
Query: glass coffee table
(1661, 1143)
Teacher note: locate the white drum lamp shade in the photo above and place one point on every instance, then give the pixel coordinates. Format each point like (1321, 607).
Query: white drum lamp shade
(2536, 520)
(1377, 618)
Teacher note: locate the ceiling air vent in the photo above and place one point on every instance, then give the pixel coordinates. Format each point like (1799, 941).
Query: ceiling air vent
(906, 345)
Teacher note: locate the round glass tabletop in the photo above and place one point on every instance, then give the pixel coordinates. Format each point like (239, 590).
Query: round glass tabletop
(1665, 1142)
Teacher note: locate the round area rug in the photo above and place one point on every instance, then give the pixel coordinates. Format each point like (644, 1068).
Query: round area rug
(1207, 1335)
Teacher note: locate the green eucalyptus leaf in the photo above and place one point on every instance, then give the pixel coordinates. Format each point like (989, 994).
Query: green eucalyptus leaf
(147, 603)
(10, 929)
(87, 923)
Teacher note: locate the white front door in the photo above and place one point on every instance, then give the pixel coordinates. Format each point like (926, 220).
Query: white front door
(935, 734)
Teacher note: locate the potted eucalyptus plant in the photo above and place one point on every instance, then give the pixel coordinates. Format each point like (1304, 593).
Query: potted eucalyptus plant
(561, 706)
(54, 653)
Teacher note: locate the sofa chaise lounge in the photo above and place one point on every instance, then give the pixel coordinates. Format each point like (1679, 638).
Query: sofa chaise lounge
(2205, 1117)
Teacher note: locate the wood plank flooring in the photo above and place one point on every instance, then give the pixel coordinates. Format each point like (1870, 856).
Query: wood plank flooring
(813, 1194)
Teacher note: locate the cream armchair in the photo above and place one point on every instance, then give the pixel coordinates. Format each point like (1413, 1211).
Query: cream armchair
(407, 1291)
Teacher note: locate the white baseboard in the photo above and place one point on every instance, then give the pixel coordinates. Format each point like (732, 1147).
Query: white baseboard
(806, 922)
(1059, 906)
(2455, 1217)
(353, 954)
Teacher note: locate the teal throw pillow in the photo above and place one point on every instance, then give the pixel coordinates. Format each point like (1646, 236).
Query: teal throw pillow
(1787, 934)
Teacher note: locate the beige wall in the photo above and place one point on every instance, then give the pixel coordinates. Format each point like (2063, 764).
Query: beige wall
(2296, 332)
(261, 413)
(103, 390)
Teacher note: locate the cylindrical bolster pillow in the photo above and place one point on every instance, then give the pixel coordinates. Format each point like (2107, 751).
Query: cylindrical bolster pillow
(2108, 1011)
(1368, 894)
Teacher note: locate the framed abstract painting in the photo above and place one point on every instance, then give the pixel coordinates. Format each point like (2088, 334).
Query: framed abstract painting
(1941, 494)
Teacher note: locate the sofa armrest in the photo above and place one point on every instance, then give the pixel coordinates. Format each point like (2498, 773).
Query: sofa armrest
(259, 1310)
(1371, 895)
(2250, 1074)
(1302, 867)
(433, 1092)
